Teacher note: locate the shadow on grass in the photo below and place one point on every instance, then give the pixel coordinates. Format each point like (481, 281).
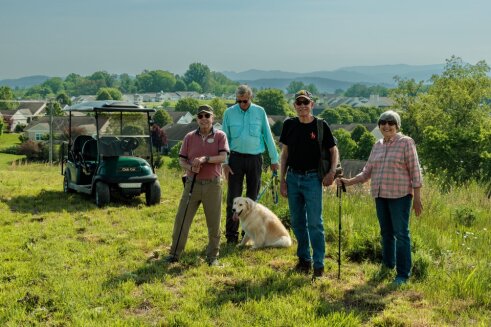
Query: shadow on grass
(58, 201)
(365, 301)
(156, 268)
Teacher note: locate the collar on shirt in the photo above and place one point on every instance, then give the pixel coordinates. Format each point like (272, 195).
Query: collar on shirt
(212, 131)
(392, 139)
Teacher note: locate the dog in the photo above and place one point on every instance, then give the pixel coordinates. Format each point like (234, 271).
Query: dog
(261, 226)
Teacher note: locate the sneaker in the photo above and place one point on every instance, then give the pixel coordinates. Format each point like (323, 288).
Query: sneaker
(318, 272)
(399, 281)
(171, 259)
(303, 266)
(213, 262)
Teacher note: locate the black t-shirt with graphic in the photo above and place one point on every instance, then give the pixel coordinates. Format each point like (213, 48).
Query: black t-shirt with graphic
(303, 143)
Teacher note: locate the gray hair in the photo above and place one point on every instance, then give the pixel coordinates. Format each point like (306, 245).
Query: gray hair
(391, 115)
(244, 90)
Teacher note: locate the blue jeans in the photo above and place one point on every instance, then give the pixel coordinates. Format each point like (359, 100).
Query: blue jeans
(305, 202)
(393, 217)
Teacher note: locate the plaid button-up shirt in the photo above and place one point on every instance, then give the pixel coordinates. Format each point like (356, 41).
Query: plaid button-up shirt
(393, 168)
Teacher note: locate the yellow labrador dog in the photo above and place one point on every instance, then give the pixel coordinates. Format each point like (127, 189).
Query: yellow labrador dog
(261, 226)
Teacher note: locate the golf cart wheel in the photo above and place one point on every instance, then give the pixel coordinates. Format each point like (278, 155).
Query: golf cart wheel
(102, 195)
(66, 187)
(152, 193)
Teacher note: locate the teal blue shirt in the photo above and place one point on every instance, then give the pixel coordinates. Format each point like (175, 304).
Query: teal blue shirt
(248, 131)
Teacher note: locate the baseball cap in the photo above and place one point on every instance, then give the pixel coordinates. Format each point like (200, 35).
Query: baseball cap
(205, 108)
(303, 94)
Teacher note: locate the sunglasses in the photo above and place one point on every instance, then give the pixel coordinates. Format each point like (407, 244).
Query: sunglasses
(300, 102)
(241, 101)
(207, 115)
(383, 122)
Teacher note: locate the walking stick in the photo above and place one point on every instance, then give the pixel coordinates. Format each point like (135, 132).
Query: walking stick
(339, 192)
(185, 212)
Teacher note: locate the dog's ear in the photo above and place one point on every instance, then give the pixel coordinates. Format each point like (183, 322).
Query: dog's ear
(248, 203)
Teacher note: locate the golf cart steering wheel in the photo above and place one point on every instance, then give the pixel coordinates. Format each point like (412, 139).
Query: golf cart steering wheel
(129, 143)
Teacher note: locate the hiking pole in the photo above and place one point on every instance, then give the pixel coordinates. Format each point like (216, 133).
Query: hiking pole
(339, 192)
(185, 212)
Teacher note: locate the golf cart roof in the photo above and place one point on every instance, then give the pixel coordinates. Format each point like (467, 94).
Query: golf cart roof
(107, 106)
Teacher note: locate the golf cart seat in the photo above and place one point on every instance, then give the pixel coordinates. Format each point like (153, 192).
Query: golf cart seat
(77, 146)
(110, 146)
(89, 156)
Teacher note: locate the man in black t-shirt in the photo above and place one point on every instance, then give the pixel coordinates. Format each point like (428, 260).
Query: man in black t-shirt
(300, 182)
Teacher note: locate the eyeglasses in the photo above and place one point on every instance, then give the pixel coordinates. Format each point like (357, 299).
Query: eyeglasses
(241, 101)
(300, 102)
(383, 122)
(207, 115)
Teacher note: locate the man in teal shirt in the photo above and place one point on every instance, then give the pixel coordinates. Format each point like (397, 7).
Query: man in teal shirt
(249, 135)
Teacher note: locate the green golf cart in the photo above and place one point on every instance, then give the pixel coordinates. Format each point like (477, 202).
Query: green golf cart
(109, 150)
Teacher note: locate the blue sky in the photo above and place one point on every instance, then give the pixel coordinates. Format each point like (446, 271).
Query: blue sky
(58, 37)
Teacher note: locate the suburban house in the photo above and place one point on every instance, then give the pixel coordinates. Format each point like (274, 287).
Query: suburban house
(181, 117)
(175, 133)
(357, 102)
(39, 128)
(23, 115)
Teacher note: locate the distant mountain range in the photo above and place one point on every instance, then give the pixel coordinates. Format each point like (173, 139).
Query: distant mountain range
(342, 78)
(24, 82)
(325, 81)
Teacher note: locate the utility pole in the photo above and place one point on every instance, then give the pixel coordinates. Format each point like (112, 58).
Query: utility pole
(51, 108)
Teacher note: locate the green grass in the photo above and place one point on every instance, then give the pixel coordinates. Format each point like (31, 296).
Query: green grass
(65, 262)
(7, 140)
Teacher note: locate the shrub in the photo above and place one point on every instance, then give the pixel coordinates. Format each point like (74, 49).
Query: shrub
(30, 149)
(174, 155)
(464, 216)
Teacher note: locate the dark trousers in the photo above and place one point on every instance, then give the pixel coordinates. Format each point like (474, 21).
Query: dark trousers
(250, 167)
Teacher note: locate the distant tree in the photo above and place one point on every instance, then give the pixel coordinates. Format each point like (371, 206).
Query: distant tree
(7, 98)
(357, 90)
(218, 106)
(295, 86)
(109, 93)
(55, 107)
(331, 116)
(273, 101)
(156, 81)
(357, 132)
(187, 104)
(55, 84)
(345, 112)
(127, 84)
(312, 88)
(200, 74)
(364, 145)
(339, 92)
(193, 86)
(103, 94)
(63, 99)
(162, 117)
(180, 85)
(102, 79)
(347, 147)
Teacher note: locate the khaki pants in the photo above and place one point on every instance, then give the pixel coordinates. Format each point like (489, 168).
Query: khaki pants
(210, 194)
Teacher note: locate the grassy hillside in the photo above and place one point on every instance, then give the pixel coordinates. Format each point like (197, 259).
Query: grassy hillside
(65, 262)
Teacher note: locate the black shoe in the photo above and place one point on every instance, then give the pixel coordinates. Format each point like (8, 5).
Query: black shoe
(303, 266)
(171, 259)
(318, 272)
(232, 240)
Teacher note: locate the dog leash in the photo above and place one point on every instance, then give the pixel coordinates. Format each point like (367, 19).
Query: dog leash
(273, 186)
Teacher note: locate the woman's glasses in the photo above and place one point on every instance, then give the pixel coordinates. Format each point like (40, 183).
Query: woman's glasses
(383, 122)
(207, 115)
(241, 101)
(300, 102)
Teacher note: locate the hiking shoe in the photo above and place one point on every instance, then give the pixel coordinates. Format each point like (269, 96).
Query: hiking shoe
(303, 266)
(318, 272)
(399, 281)
(170, 259)
(213, 262)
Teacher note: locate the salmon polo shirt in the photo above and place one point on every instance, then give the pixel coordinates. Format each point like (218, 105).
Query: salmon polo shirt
(393, 168)
(195, 145)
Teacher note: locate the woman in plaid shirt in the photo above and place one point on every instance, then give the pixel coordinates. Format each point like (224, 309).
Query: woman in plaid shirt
(396, 180)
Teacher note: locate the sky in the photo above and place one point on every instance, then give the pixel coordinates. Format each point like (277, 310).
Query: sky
(59, 37)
